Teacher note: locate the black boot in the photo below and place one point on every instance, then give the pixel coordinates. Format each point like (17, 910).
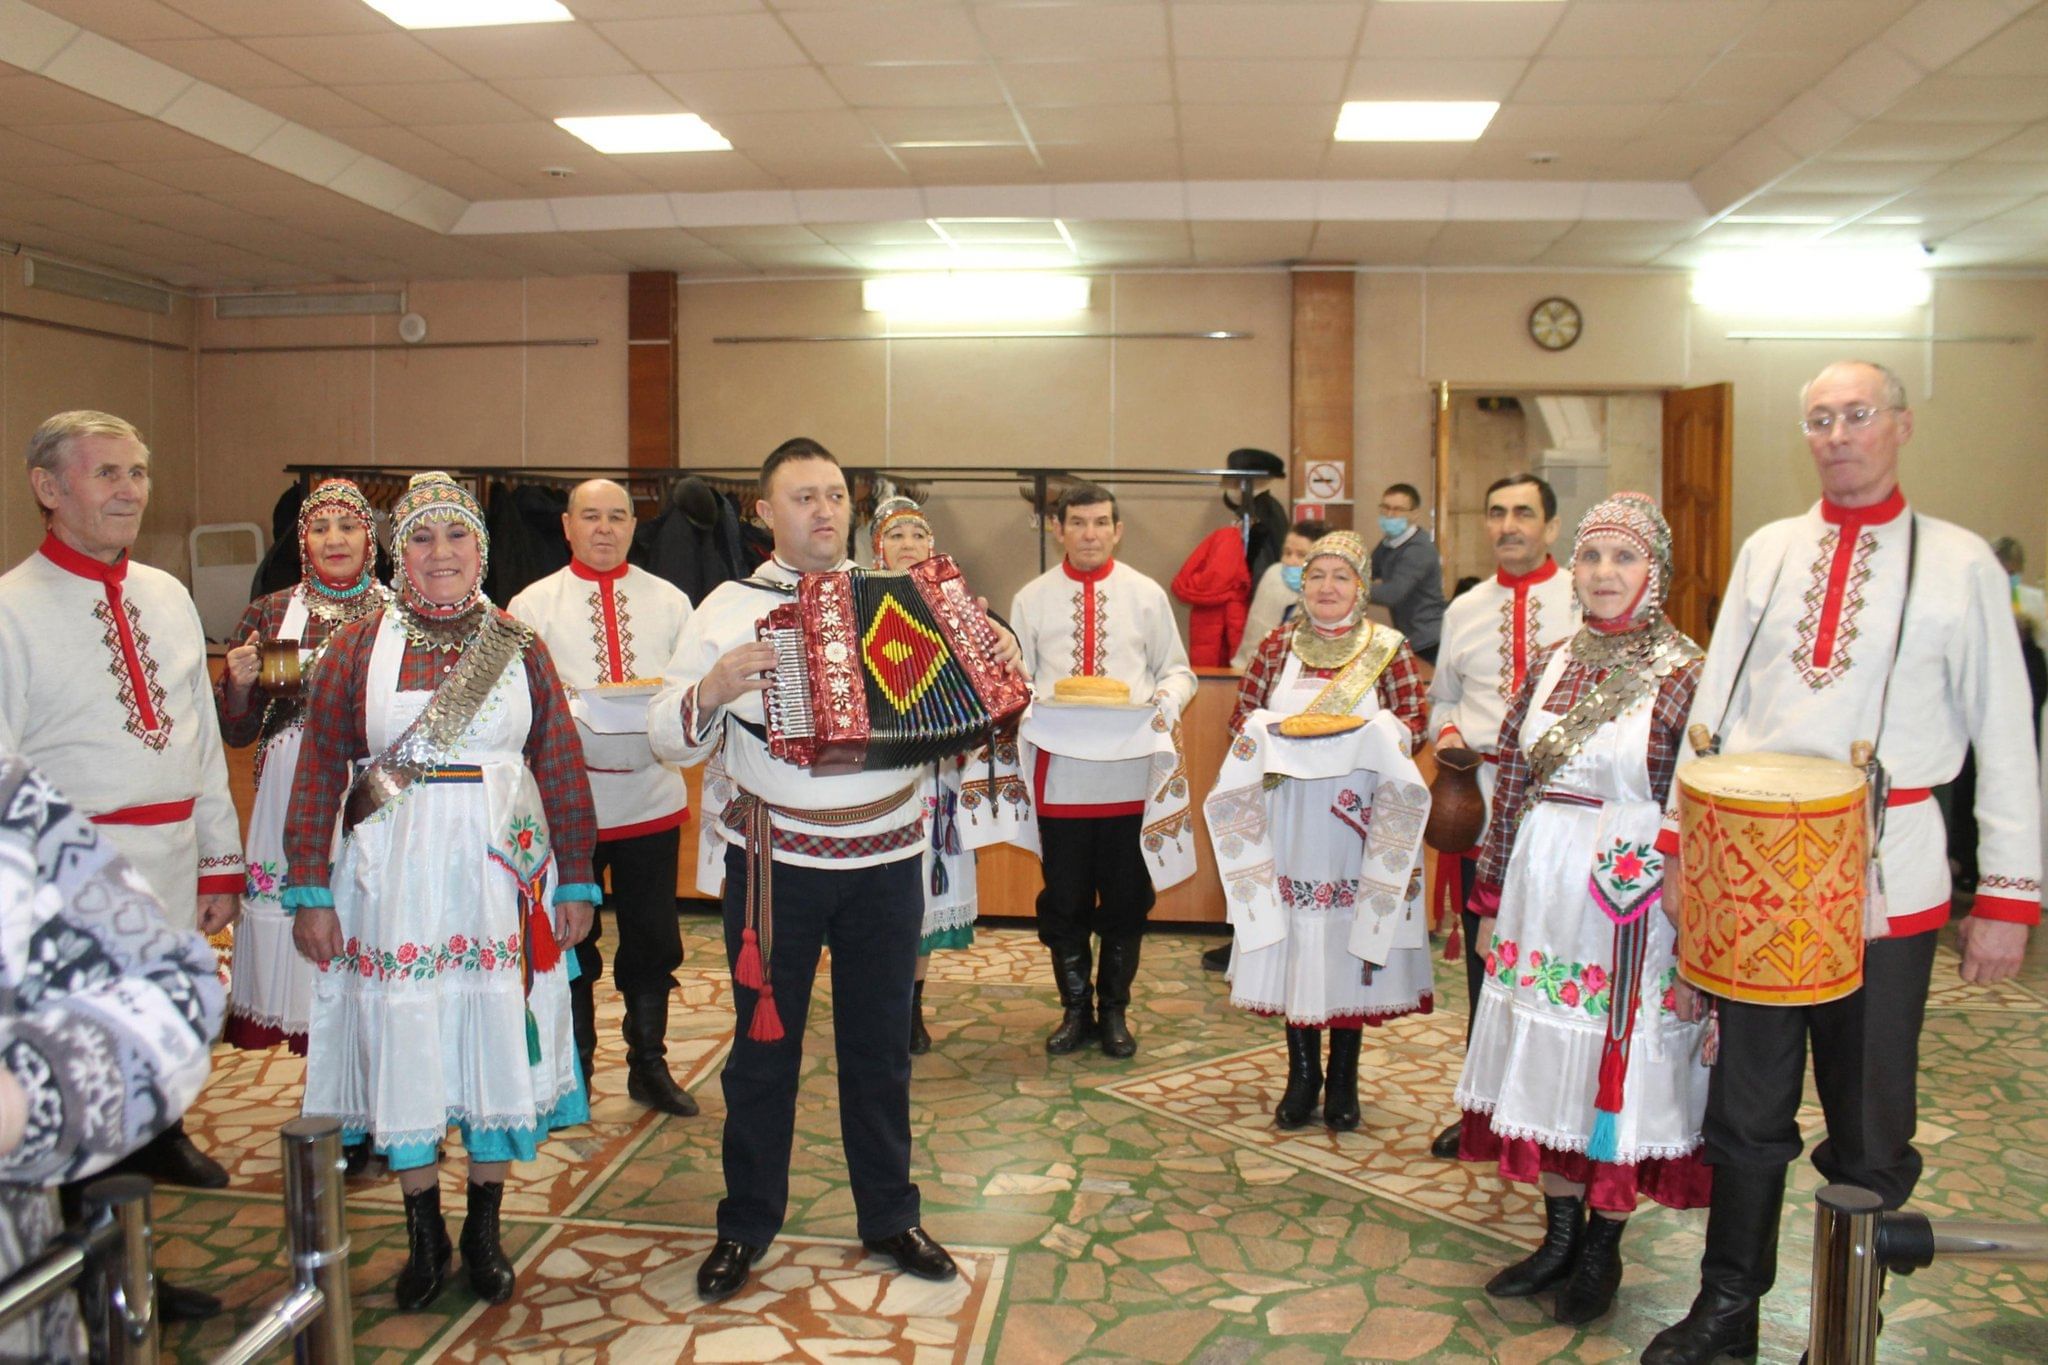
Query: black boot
(1736, 1270)
(583, 1022)
(170, 1158)
(647, 1079)
(1304, 1077)
(1113, 992)
(1564, 1223)
(483, 1257)
(1070, 972)
(1445, 1144)
(1589, 1292)
(920, 1041)
(428, 1252)
(1340, 1093)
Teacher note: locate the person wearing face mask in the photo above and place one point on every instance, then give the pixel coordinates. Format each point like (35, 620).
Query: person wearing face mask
(1407, 575)
(1489, 636)
(1304, 835)
(271, 990)
(605, 621)
(1277, 597)
(439, 729)
(1582, 1075)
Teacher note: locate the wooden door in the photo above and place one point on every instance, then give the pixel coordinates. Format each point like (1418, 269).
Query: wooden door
(1699, 429)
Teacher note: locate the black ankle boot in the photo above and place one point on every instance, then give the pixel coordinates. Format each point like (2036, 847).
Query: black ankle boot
(920, 1041)
(1113, 993)
(1737, 1269)
(1589, 1291)
(647, 1078)
(1304, 1077)
(428, 1251)
(1340, 1092)
(483, 1256)
(1564, 1223)
(1071, 964)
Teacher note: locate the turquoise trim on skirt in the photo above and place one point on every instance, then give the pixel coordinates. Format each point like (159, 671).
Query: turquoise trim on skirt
(959, 937)
(489, 1144)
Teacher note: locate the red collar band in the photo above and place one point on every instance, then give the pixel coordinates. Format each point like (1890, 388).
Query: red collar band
(1542, 573)
(82, 564)
(1088, 575)
(585, 572)
(1877, 514)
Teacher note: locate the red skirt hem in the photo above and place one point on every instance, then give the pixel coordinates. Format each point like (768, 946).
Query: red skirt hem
(1684, 1182)
(1356, 1022)
(251, 1036)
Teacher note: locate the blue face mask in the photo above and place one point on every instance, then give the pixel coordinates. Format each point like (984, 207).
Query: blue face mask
(1393, 526)
(1290, 574)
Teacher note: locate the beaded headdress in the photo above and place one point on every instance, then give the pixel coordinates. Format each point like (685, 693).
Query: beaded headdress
(429, 498)
(894, 512)
(330, 496)
(1348, 546)
(1633, 518)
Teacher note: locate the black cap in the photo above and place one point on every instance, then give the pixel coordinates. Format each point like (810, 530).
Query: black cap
(1256, 462)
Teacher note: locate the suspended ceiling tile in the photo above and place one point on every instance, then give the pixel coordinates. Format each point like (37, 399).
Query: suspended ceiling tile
(2021, 50)
(554, 97)
(1373, 244)
(1310, 123)
(83, 180)
(1793, 204)
(1979, 174)
(1973, 99)
(1457, 30)
(1829, 29)
(711, 93)
(790, 258)
(1036, 32)
(701, 172)
(339, 60)
(1089, 82)
(216, 175)
(1111, 161)
(1260, 82)
(1394, 160)
(659, 250)
(276, 18)
(885, 35)
(526, 50)
(903, 232)
(810, 130)
(435, 102)
(970, 165)
(1433, 78)
(718, 42)
(975, 123)
(1246, 159)
(1566, 122)
(951, 83)
(1933, 35)
(1860, 177)
(1103, 123)
(1266, 30)
(223, 61)
(1650, 28)
(2030, 144)
(17, 149)
(125, 21)
(128, 140)
(1688, 119)
(776, 234)
(1768, 81)
(26, 101)
(1607, 80)
(1919, 141)
(315, 106)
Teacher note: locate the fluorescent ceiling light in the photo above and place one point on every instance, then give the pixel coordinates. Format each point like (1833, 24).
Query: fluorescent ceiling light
(1812, 282)
(1414, 120)
(969, 296)
(469, 13)
(621, 134)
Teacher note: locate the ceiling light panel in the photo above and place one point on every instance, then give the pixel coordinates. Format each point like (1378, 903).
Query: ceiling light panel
(469, 13)
(1414, 120)
(629, 134)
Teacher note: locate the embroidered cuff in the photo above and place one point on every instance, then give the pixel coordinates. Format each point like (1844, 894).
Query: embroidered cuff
(298, 898)
(1485, 901)
(2010, 909)
(578, 891)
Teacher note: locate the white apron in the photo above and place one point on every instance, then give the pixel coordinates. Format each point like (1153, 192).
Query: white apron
(422, 1021)
(271, 984)
(1310, 975)
(1534, 1060)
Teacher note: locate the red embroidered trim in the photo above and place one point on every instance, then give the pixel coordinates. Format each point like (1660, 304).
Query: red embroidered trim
(133, 668)
(1834, 599)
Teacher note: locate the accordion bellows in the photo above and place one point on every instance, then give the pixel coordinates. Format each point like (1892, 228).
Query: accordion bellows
(884, 670)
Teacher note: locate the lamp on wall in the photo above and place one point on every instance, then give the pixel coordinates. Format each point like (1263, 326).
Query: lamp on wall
(975, 296)
(1812, 282)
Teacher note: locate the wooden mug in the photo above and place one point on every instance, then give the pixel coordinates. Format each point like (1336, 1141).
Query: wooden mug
(279, 672)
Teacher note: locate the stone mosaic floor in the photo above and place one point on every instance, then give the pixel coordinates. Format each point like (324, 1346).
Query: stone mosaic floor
(1145, 1210)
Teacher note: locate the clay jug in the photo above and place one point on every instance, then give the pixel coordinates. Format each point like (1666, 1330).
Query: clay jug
(1457, 808)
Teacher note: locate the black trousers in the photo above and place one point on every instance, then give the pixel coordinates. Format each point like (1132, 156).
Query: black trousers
(1866, 1065)
(870, 917)
(1096, 881)
(1475, 961)
(642, 904)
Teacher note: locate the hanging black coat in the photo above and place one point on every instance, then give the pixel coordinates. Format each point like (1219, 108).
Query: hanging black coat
(695, 543)
(526, 537)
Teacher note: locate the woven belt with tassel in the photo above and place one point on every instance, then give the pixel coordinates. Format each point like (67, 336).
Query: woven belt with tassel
(757, 939)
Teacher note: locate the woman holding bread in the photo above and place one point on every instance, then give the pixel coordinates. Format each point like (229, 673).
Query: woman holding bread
(1583, 1073)
(1329, 663)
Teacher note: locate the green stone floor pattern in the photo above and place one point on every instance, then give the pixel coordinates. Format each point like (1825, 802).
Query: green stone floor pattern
(1145, 1210)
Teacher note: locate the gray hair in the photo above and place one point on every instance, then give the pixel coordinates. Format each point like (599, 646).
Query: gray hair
(52, 441)
(1894, 387)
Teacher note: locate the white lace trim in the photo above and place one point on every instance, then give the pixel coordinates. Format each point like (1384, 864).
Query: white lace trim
(947, 917)
(1568, 1142)
(1380, 1011)
(421, 1136)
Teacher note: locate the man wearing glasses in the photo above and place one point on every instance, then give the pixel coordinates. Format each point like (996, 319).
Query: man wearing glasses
(1861, 619)
(1407, 576)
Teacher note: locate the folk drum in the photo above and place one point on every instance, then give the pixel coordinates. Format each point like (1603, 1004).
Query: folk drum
(1775, 852)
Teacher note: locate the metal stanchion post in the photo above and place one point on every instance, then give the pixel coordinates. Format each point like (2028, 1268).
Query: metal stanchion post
(1846, 1277)
(318, 1235)
(127, 1288)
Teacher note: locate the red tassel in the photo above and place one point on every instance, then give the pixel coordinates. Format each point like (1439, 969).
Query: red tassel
(541, 948)
(767, 1024)
(1613, 1071)
(1454, 945)
(746, 971)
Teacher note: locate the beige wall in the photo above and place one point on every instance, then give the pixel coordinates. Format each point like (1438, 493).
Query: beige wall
(44, 370)
(1980, 457)
(527, 406)
(1000, 404)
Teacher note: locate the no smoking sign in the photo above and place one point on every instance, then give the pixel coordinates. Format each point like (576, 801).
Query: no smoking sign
(1325, 482)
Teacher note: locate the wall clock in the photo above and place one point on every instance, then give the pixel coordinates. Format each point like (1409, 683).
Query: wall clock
(1555, 323)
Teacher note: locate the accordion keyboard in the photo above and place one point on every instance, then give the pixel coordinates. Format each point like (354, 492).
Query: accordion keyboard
(788, 698)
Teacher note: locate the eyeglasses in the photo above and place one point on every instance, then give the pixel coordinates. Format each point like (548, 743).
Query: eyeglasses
(1820, 421)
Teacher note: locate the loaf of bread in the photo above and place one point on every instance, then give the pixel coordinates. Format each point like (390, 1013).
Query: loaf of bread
(1092, 691)
(1313, 725)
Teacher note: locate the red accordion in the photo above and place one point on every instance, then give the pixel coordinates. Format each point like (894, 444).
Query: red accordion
(884, 670)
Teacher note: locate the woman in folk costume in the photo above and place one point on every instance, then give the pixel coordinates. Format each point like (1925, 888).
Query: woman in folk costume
(272, 986)
(1581, 1075)
(1329, 657)
(901, 537)
(438, 730)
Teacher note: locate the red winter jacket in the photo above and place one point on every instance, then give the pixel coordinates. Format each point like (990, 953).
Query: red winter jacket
(1217, 583)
